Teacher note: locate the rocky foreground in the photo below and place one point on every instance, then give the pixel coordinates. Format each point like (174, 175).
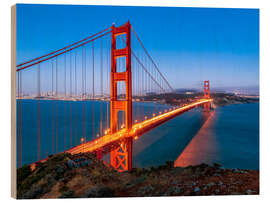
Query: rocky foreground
(81, 176)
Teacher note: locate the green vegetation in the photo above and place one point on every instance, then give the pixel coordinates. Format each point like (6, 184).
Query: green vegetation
(56, 179)
(22, 174)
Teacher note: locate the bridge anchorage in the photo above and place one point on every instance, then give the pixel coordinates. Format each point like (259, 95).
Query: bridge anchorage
(130, 80)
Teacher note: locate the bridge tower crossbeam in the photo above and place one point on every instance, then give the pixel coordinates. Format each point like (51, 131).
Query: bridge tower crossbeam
(121, 157)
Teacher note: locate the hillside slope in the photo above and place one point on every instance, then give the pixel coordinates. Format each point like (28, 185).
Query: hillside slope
(69, 176)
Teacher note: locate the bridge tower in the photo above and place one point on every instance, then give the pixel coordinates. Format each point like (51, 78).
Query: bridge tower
(121, 157)
(206, 95)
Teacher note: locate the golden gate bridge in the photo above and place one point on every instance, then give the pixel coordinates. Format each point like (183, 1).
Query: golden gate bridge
(113, 67)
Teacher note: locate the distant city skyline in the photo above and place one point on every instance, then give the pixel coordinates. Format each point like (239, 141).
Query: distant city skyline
(188, 44)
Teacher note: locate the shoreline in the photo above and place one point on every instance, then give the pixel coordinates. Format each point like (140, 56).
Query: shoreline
(228, 99)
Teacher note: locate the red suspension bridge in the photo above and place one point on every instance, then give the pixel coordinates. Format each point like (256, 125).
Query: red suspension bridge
(111, 67)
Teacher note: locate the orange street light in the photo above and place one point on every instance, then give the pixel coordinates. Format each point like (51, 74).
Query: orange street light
(82, 140)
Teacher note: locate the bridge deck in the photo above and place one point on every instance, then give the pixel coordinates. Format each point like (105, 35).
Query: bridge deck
(105, 142)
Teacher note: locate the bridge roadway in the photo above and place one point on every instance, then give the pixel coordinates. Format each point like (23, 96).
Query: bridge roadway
(108, 141)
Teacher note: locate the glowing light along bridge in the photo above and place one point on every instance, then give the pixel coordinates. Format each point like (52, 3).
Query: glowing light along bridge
(130, 77)
(99, 145)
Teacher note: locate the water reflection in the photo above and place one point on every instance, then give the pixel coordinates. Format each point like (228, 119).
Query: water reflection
(203, 148)
(167, 141)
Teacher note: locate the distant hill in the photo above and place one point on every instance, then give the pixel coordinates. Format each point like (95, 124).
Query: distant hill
(184, 90)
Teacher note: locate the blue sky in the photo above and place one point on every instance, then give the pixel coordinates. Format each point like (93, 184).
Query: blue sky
(188, 44)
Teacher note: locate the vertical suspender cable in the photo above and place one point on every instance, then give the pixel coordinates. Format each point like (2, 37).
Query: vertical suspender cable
(101, 86)
(82, 96)
(143, 85)
(93, 88)
(65, 92)
(21, 97)
(56, 105)
(138, 91)
(75, 95)
(108, 91)
(52, 112)
(18, 119)
(70, 98)
(85, 111)
(83, 86)
(38, 140)
(147, 80)
(21, 113)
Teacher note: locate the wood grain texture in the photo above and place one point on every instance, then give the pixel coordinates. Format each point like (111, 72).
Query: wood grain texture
(13, 102)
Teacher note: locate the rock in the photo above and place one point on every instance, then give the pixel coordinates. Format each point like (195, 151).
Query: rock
(169, 164)
(208, 171)
(158, 193)
(140, 182)
(135, 181)
(99, 191)
(145, 189)
(70, 164)
(236, 193)
(222, 187)
(242, 172)
(174, 190)
(203, 165)
(218, 170)
(211, 184)
(197, 189)
(239, 182)
(175, 182)
(177, 170)
(188, 171)
(50, 179)
(67, 194)
(59, 171)
(216, 165)
(236, 170)
(33, 193)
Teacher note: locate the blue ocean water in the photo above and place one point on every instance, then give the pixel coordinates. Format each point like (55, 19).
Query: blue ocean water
(234, 132)
(229, 136)
(64, 123)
